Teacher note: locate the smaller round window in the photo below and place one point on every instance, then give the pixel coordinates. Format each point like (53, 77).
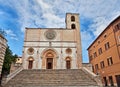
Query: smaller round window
(30, 51)
(68, 51)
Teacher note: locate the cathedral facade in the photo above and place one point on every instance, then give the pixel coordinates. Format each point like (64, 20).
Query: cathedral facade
(54, 48)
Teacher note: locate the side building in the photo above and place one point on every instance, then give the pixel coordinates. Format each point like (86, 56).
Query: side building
(16, 65)
(3, 45)
(104, 54)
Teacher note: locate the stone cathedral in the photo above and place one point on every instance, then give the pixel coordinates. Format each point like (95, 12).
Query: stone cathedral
(52, 57)
(54, 48)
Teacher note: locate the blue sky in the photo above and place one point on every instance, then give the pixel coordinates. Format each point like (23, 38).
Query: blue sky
(95, 15)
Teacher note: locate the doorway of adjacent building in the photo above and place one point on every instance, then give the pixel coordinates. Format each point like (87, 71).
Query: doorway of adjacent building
(118, 80)
(49, 63)
(111, 81)
(105, 81)
(30, 65)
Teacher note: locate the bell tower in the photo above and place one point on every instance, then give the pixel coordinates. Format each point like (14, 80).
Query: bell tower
(72, 22)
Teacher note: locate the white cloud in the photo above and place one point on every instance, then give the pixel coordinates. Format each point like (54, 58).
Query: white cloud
(53, 20)
(51, 14)
(100, 23)
(36, 14)
(43, 5)
(11, 34)
(50, 19)
(86, 36)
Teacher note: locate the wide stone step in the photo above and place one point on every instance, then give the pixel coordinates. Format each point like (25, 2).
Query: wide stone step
(52, 78)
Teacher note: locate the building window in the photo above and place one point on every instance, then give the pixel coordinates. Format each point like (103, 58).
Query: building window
(102, 64)
(117, 27)
(30, 51)
(95, 54)
(93, 68)
(105, 36)
(96, 66)
(91, 57)
(109, 60)
(100, 51)
(98, 42)
(119, 38)
(73, 26)
(72, 18)
(107, 46)
(68, 51)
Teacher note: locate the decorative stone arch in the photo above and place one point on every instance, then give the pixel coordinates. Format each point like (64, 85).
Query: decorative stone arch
(30, 62)
(49, 59)
(73, 26)
(72, 18)
(68, 62)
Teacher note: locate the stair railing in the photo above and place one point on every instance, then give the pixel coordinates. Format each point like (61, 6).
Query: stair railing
(11, 75)
(93, 76)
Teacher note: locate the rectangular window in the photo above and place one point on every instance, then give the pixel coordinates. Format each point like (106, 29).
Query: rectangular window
(100, 51)
(117, 27)
(91, 57)
(95, 54)
(119, 38)
(107, 46)
(96, 66)
(102, 64)
(93, 68)
(109, 60)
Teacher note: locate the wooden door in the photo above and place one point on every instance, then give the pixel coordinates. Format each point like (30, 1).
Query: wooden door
(49, 63)
(118, 80)
(30, 65)
(68, 65)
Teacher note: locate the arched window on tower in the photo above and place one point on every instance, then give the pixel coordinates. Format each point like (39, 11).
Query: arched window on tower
(73, 26)
(72, 18)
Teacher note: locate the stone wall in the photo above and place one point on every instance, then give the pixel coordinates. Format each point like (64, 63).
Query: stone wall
(3, 45)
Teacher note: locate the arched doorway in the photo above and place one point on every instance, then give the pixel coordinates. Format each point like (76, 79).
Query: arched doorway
(49, 63)
(30, 63)
(68, 63)
(49, 59)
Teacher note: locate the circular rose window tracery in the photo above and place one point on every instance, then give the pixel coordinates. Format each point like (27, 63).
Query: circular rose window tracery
(50, 34)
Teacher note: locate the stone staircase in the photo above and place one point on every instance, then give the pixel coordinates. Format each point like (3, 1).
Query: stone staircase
(52, 78)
